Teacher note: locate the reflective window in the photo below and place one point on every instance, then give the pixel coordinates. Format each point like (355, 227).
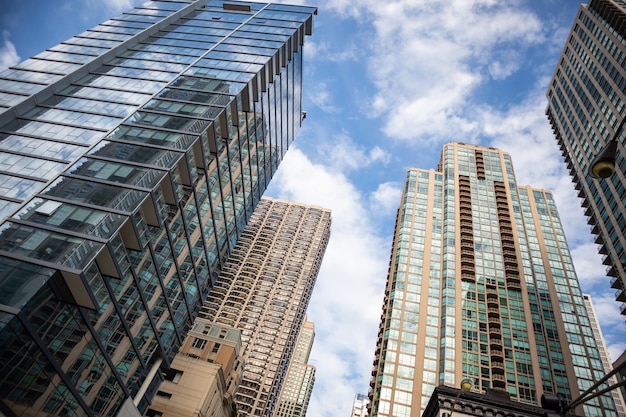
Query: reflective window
(64, 56)
(92, 42)
(18, 188)
(67, 216)
(48, 66)
(91, 192)
(19, 87)
(105, 94)
(146, 74)
(46, 246)
(8, 99)
(53, 131)
(30, 76)
(79, 49)
(114, 83)
(31, 167)
(85, 105)
(96, 121)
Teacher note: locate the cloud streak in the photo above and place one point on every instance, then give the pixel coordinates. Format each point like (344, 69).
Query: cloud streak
(8, 53)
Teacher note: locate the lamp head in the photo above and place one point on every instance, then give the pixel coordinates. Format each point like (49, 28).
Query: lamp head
(603, 165)
(466, 384)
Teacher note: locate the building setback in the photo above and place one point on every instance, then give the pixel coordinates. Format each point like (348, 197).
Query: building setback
(586, 100)
(481, 285)
(264, 289)
(296, 391)
(132, 155)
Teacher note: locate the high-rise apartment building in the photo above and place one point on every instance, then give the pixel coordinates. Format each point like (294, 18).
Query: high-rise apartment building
(131, 157)
(604, 354)
(586, 101)
(481, 285)
(298, 386)
(359, 406)
(264, 290)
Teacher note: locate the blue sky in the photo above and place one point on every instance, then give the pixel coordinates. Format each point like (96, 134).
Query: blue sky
(386, 84)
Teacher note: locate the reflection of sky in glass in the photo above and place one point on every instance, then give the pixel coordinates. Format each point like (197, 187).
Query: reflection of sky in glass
(43, 148)
(6, 208)
(18, 188)
(32, 167)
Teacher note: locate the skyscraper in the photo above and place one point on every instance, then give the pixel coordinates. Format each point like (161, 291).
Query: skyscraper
(604, 354)
(264, 289)
(585, 107)
(132, 156)
(359, 406)
(481, 285)
(296, 391)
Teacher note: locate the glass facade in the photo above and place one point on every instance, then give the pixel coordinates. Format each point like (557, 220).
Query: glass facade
(481, 286)
(132, 156)
(586, 101)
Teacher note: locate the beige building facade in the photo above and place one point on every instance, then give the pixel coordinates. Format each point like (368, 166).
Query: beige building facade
(204, 374)
(482, 286)
(264, 290)
(298, 387)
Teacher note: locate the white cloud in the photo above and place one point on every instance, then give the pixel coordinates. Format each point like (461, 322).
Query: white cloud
(386, 198)
(8, 53)
(504, 64)
(348, 295)
(426, 68)
(321, 97)
(342, 154)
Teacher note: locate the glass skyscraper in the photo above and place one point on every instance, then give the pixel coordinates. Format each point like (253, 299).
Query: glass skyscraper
(586, 100)
(482, 286)
(131, 157)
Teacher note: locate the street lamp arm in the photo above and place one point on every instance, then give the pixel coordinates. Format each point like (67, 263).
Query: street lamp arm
(584, 397)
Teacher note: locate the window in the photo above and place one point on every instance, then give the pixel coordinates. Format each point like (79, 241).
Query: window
(199, 343)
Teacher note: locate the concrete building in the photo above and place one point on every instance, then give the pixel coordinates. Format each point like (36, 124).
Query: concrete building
(586, 100)
(359, 407)
(204, 375)
(264, 290)
(604, 354)
(296, 391)
(481, 285)
(132, 155)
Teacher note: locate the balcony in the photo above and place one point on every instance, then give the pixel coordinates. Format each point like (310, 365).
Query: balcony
(493, 311)
(623, 309)
(615, 281)
(620, 295)
(513, 285)
(467, 277)
(498, 381)
(495, 332)
(468, 270)
(509, 254)
(496, 348)
(497, 368)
